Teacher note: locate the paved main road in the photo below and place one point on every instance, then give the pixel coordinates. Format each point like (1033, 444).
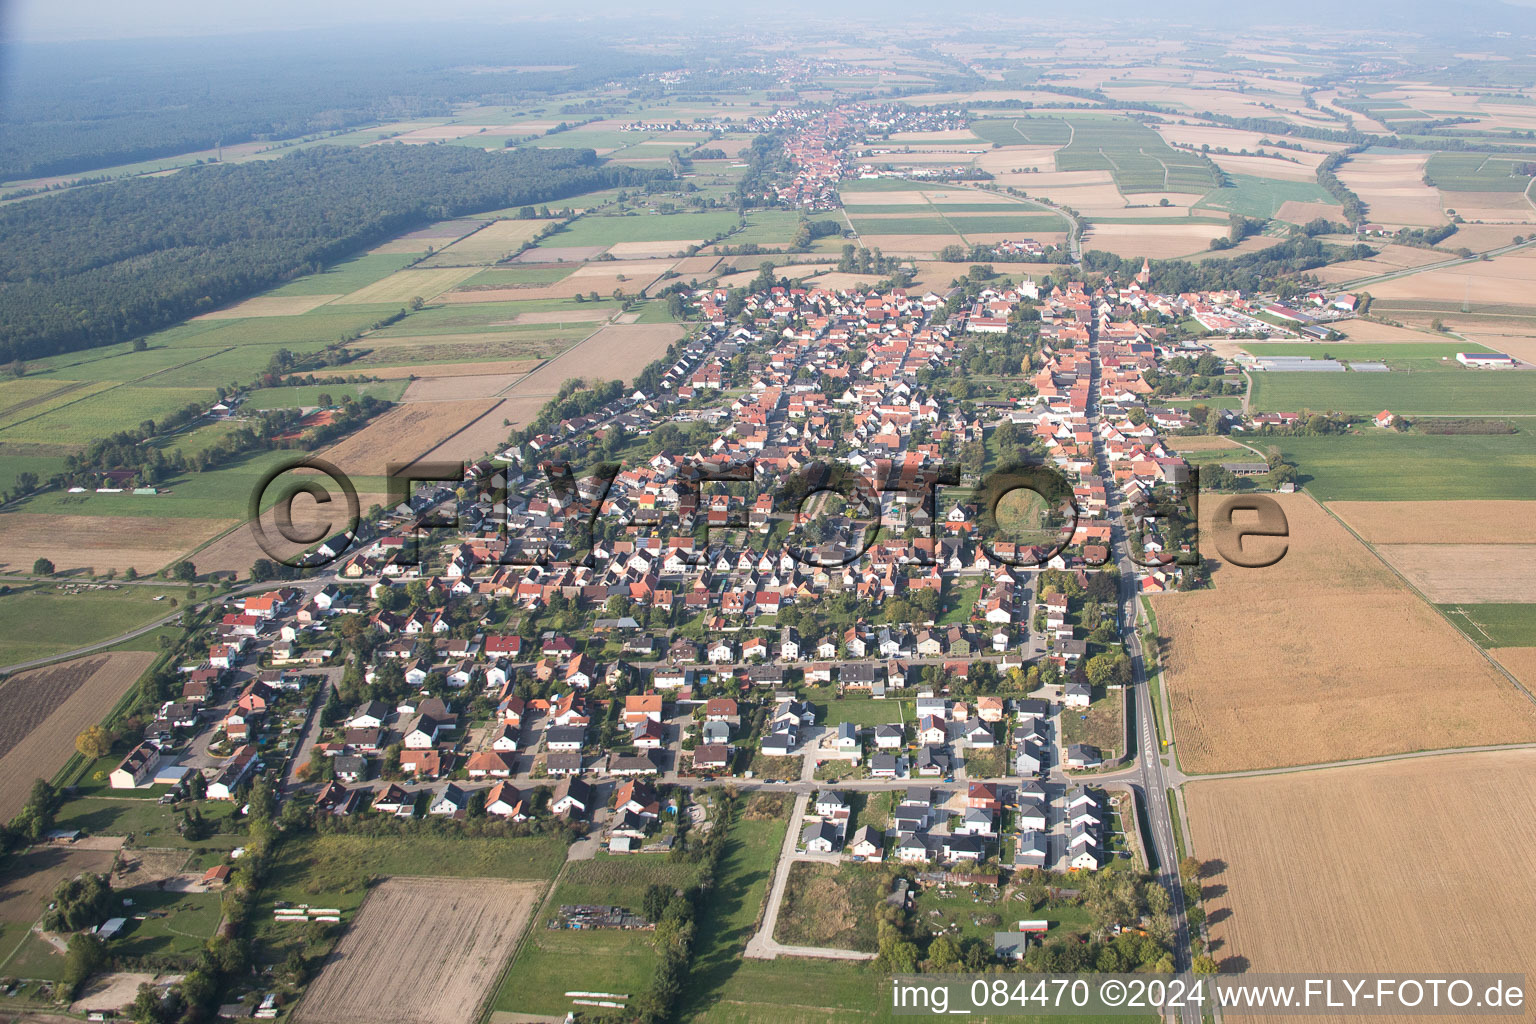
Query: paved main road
(1149, 777)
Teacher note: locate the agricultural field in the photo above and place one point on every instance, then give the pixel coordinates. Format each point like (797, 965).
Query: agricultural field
(88, 414)
(1520, 662)
(678, 229)
(350, 275)
(404, 434)
(1343, 661)
(1157, 241)
(1457, 392)
(1453, 573)
(1495, 625)
(1388, 466)
(405, 285)
(145, 543)
(1482, 286)
(459, 935)
(42, 711)
(1023, 131)
(1390, 183)
(308, 396)
(491, 244)
(1138, 158)
(1301, 865)
(1440, 522)
(1476, 172)
(1255, 196)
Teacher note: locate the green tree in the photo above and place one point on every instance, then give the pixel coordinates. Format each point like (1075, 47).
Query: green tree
(1204, 964)
(943, 953)
(85, 955)
(42, 567)
(184, 570)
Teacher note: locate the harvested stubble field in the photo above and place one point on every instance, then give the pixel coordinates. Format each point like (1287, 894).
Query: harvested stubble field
(238, 549)
(456, 934)
(404, 434)
(1467, 573)
(269, 305)
(1312, 861)
(493, 242)
(516, 367)
(1503, 279)
(615, 352)
(1520, 661)
(404, 285)
(1440, 522)
(1214, 442)
(44, 709)
(143, 543)
(452, 386)
(1159, 241)
(1321, 657)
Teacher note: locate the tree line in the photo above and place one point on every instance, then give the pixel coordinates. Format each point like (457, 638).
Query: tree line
(73, 108)
(102, 265)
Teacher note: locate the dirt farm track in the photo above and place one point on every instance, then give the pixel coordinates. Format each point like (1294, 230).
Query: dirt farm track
(421, 951)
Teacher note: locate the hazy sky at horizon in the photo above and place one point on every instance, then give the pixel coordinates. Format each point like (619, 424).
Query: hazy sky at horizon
(44, 21)
(53, 21)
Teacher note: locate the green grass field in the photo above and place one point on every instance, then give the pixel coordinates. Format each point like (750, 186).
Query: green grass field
(1139, 158)
(95, 416)
(730, 917)
(882, 185)
(1495, 625)
(863, 711)
(223, 493)
(915, 225)
(44, 466)
(1463, 393)
(1253, 196)
(304, 396)
(771, 227)
(151, 823)
(1476, 172)
(329, 857)
(1023, 131)
(555, 961)
(350, 275)
(601, 230)
(39, 620)
(1386, 466)
(1008, 221)
(177, 923)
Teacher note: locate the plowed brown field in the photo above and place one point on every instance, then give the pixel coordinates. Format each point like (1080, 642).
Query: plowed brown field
(455, 935)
